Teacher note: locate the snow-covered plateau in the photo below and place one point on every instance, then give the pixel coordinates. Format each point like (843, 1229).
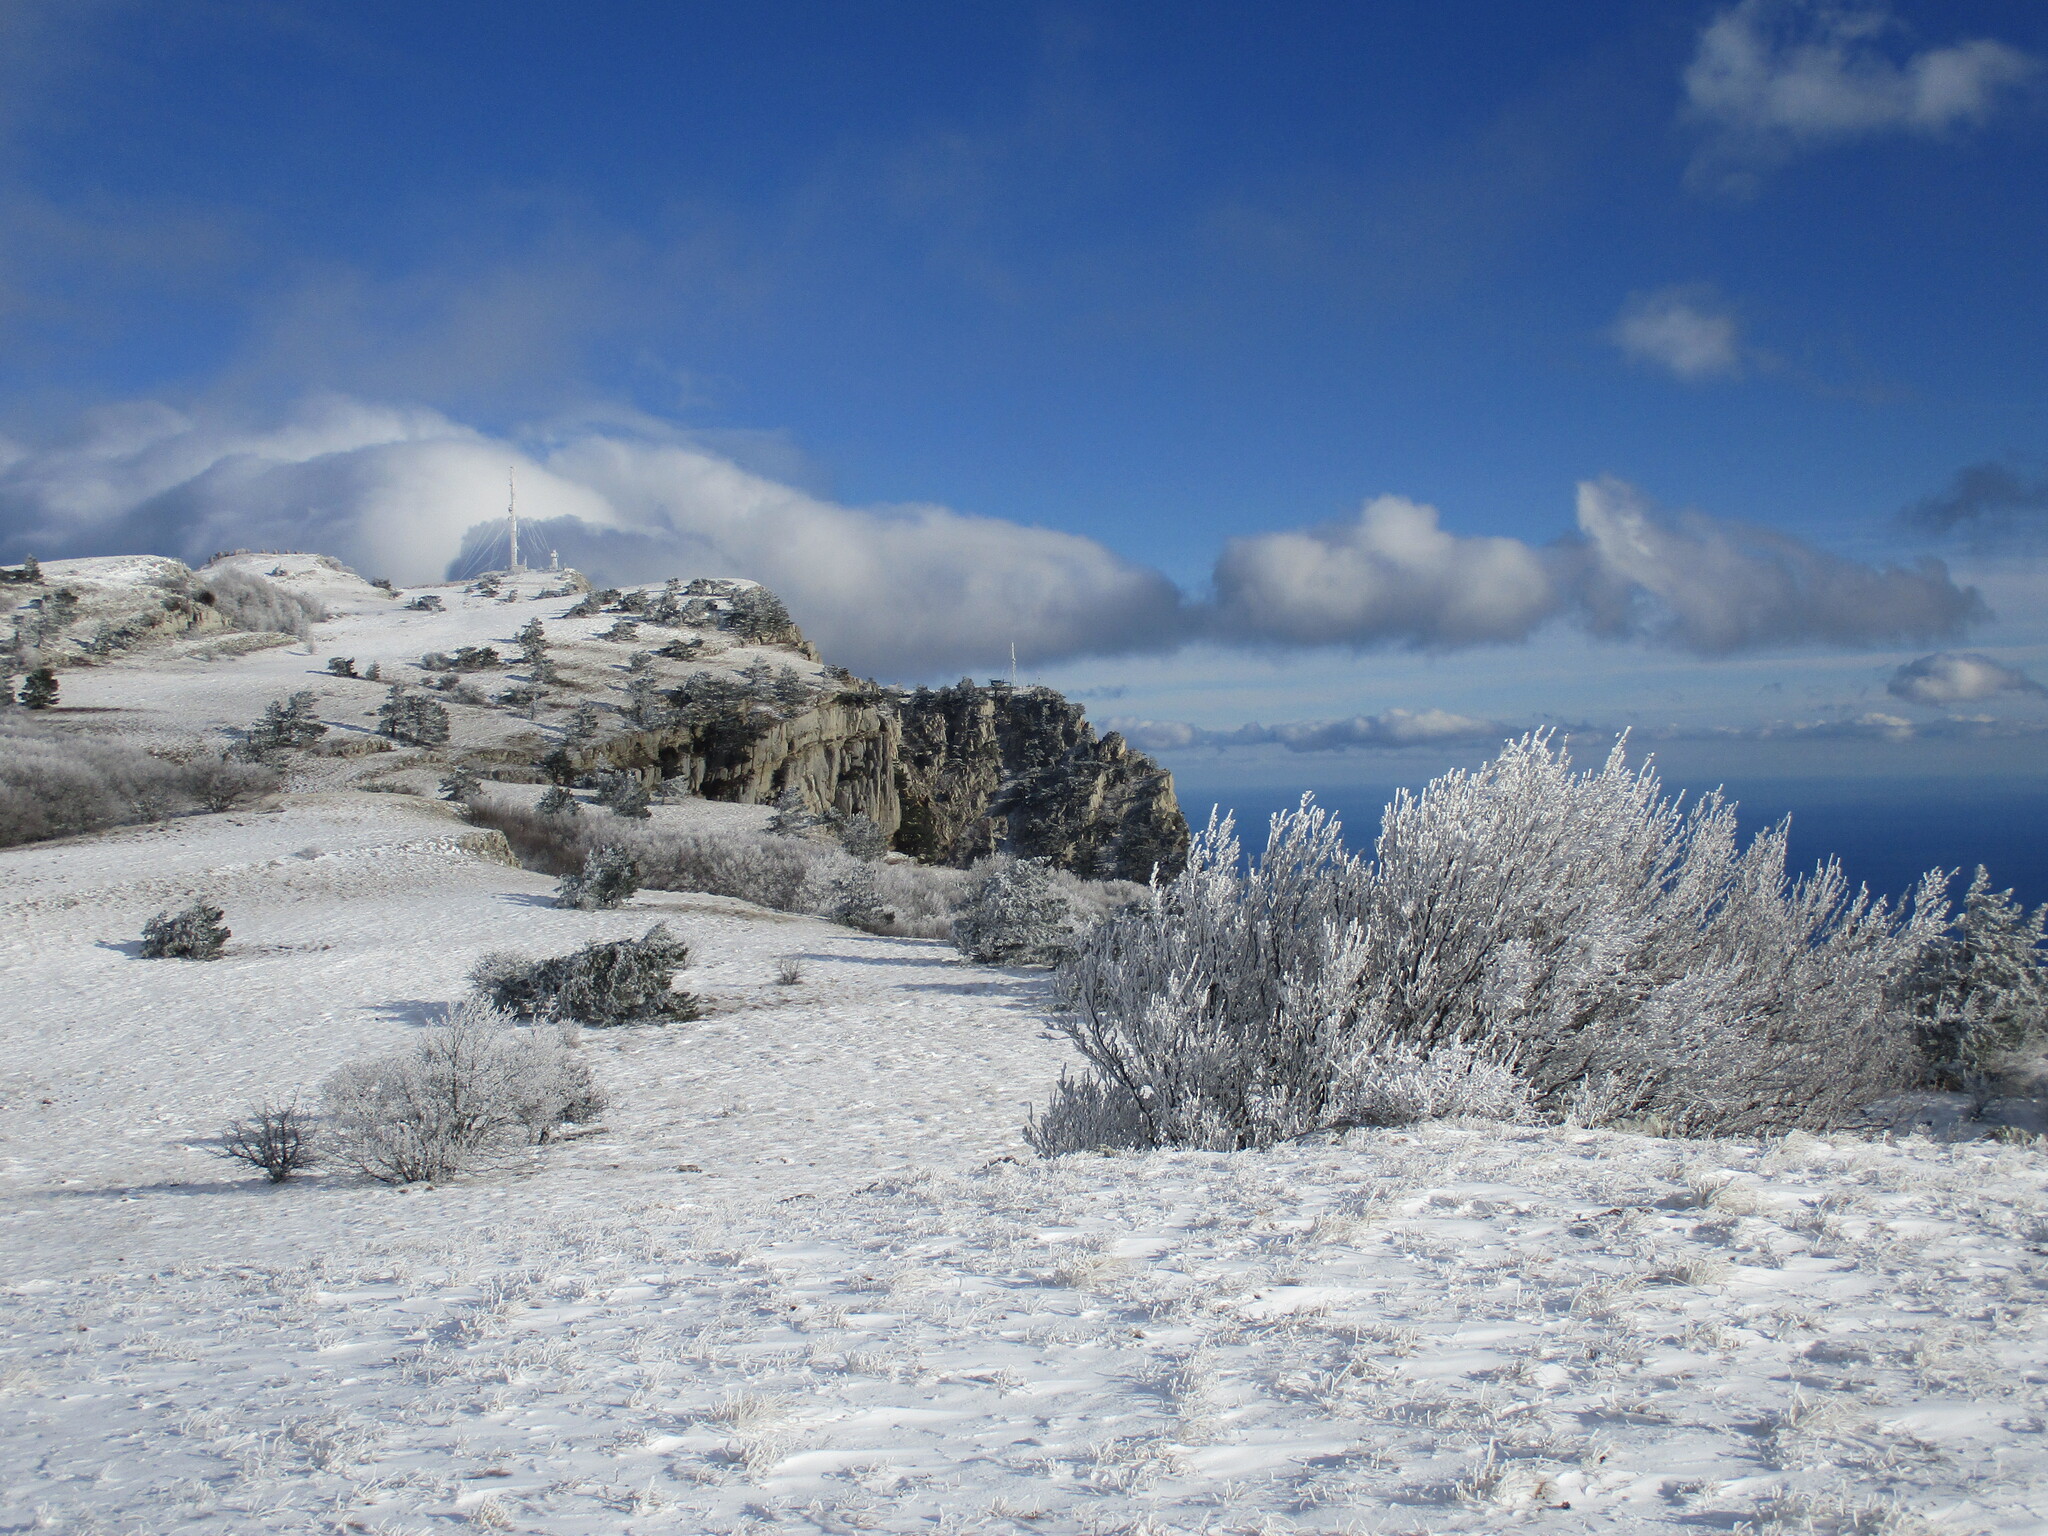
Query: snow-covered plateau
(805, 1273)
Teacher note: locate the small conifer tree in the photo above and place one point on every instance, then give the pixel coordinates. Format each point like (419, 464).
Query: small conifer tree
(196, 933)
(624, 794)
(609, 877)
(38, 689)
(1017, 916)
(1980, 992)
(558, 801)
(462, 783)
(408, 718)
(287, 722)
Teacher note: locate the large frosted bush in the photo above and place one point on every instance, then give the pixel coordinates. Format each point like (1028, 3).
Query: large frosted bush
(1018, 915)
(55, 784)
(460, 1095)
(1580, 927)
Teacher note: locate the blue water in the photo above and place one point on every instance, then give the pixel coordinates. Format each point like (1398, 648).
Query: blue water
(1885, 831)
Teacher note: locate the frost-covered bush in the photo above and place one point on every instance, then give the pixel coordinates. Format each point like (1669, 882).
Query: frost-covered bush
(252, 602)
(1086, 1114)
(408, 718)
(473, 1089)
(609, 877)
(624, 981)
(1018, 915)
(54, 784)
(276, 1138)
(1980, 991)
(1580, 926)
(1396, 1086)
(196, 933)
(851, 895)
(1225, 1011)
(623, 794)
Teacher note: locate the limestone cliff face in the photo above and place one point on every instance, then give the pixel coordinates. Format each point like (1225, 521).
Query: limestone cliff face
(950, 775)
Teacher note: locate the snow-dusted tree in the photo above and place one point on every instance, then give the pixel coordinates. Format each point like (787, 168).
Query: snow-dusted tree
(38, 689)
(277, 1138)
(287, 723)
(608, 879)
(1980, 991)
(584, 725)
(793, 814)
(462, 783)
(559, 801)
(788, 690)
(196, 933)
(532, 640)
(759, 617)
(1018, 915)
(624, 794)
(1224, 1012)
(475, 1088)
(851, 896)
(624, 981)
(342, 666)
(408, 718)
(861, 837)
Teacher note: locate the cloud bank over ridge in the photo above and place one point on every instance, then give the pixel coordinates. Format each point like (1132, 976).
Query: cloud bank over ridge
(917, 590)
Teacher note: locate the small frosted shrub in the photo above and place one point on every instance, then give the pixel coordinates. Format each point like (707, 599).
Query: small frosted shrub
(625, 981)
(278, 1139)
(459, 1096)
(1086, 1115)
(1400, 1087)
(1018, 915)
(608, 879)
(197, 933)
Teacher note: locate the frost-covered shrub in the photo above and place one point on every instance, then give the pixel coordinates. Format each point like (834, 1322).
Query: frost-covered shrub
(609, 877)
(59, 785)
(461, 783)
(251, 602)
(851, 895)
(1086, 1115)
(341, 666)
(459, 1095)
(408, 718)
(196, 933)
(1980, 991)
(624, 981)
(558, 801)
(1224, 1011)
(1396, 1086)
(426, 602)
(1018, 915)
(1578, 925)
(276, 1138)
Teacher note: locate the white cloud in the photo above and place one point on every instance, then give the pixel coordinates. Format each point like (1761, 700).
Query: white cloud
(1955, 677)
(1391, 728)
(911, 591)
(1714, 586)
(1391, 574)
(1681, 330)
(1774, 77)
(394, 492)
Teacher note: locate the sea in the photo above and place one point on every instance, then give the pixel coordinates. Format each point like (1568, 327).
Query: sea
(1885, 831)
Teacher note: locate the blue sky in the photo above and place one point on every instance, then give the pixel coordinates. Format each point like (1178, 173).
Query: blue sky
(1095, 328)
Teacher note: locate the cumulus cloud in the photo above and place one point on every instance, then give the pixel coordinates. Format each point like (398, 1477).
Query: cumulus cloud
(898, 590)
(909, 591)
(1389, 574)
(1684, 331)
(1392, 728)
(1714, 586)
(1774, 78)
(1992, 505)
(1956, 677)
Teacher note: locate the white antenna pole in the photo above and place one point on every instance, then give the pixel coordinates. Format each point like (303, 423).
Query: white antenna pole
(1013, 663)
(512, 513)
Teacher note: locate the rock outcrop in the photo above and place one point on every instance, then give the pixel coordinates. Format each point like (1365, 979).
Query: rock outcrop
(950, 775)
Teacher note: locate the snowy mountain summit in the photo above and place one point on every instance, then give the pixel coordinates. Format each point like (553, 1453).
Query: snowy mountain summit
(779, 1250)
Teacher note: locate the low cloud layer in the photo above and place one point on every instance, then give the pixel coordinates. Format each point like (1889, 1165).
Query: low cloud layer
(1775, 78)
(1686, 332)
(1990, 505)
(914, 591)
(1957, 677)
(1393, 728)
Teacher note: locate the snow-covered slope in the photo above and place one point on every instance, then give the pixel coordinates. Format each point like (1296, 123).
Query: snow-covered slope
(806, 1276)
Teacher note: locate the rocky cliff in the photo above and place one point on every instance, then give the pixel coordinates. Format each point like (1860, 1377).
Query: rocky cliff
(950, 775)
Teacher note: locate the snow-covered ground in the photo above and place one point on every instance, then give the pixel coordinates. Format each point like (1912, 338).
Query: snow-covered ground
(807, 1276)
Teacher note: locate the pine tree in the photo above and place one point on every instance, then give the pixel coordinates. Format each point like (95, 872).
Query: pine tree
(462, 783)
(583, 725)
(38, 689)
(624, 794)
(408, 718)
(1981, 990)
(1019, 915)
(287, 722)
(196, 933)
(558, 801)
(609, 876)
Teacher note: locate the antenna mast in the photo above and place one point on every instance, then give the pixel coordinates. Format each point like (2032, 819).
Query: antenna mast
(512, 513)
